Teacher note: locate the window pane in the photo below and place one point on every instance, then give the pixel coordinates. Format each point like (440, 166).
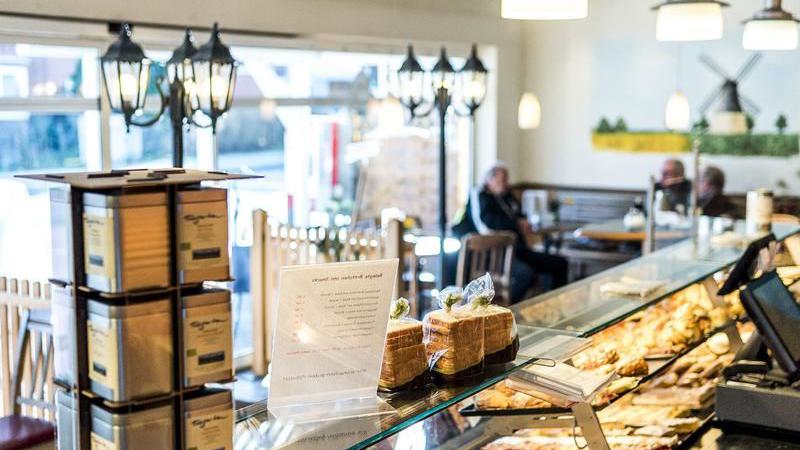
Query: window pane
(33, 141)
(28, 70)
(148, 147)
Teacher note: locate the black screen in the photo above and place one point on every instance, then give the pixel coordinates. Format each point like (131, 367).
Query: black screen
(782, 313)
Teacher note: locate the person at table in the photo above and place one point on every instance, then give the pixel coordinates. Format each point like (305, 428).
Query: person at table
(676, 189)
(712, 200)
(492, 207)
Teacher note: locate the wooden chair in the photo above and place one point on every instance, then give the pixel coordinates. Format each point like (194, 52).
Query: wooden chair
(34, 352)
(785, 218)
(490, 253)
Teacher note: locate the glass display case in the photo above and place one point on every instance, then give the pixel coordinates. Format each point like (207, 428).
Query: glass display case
(431, 417)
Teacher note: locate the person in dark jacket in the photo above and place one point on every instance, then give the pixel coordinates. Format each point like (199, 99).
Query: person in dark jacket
(676, 188)
(712, 201)
(494, 207)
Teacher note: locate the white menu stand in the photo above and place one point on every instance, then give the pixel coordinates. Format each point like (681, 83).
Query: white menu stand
(329, 338)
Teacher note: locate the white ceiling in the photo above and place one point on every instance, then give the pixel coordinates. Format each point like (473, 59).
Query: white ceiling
(458, 6)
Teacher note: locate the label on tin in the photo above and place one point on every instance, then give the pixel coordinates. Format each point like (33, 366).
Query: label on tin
(203, 235)
(208, 342)
(103, 352)
(212, 431)
(101, 443)
(99, 245)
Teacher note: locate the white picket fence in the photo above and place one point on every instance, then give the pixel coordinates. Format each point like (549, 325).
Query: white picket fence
(276, 245)
(16, 297)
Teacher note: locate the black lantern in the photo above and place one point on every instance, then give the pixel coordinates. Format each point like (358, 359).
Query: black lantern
(472, 78)
(179, 65)
(471, 91)
(411, 77)
(443, 76)
(214, 72)
(126, 73)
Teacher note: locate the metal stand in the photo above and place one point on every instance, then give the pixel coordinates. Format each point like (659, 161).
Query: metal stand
(81, 391)
(442, 104)
(734, 338)
(583, 416)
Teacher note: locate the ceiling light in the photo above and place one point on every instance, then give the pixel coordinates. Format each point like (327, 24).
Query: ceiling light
(677, 116)
(771, 28)
(689, 20)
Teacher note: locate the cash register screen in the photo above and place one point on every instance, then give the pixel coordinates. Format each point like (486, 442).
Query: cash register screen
(777, 315)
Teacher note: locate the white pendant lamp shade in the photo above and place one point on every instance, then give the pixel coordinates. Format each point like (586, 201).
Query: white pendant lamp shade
(770, 35)
(544, 9)
(678, 114)
(771, 28)
(679, 20)
(529, 116)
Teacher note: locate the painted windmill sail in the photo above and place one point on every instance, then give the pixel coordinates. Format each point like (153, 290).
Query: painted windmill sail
(729, 117)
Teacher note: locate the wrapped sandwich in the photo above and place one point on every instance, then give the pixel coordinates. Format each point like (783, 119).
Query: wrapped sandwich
(404, 361)
(500, 339)
(453, 338)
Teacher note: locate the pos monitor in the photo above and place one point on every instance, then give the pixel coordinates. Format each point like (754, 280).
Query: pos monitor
(746, 266)
(776, 314)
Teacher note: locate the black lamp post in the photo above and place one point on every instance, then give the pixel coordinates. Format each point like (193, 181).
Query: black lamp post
(472, 88)
(199, 80)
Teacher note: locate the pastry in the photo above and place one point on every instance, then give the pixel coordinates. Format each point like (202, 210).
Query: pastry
(595, 357)
(453, 338)
(632, 366)
(404, 360)
(684, 425)
(655, 430)
(491, 399)
(500, 340)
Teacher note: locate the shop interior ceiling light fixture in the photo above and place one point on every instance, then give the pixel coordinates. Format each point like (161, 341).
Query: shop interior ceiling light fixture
(771, 28)
(689, 20)
(544, 9)
(677, 116)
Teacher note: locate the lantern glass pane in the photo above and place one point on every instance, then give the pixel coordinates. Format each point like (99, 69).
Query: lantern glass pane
(411, 87)
(111, 78)
(472, 87)
(443, 80)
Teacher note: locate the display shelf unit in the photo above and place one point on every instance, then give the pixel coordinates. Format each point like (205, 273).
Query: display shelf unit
(578, 309)
(168, 181)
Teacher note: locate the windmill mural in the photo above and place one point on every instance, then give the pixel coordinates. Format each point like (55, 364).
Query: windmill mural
(724, 122)
(730, 117)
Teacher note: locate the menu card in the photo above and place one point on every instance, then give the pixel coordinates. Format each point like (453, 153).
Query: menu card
(329, 334)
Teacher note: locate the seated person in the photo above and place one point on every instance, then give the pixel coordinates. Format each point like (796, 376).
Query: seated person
(676, 188)
(493, 207)
(712, 201)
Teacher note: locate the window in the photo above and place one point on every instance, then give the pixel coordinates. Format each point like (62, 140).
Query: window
(50, 119)
(297, 119)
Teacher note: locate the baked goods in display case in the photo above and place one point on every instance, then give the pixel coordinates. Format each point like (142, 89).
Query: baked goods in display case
(662, 331)
(404, 361)
(501, 341)
(660, 414)
(453, 337)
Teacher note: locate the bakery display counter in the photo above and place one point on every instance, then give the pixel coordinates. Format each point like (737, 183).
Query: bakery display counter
(650, 321)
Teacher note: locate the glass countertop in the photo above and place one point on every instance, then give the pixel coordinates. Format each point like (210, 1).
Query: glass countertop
(579, 309)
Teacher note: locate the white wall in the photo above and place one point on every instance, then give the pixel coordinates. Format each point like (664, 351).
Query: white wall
(424, 22)
(611, 64)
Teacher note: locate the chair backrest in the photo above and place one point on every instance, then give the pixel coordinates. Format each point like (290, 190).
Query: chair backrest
(277, 245)
(490, 253)
(785, 218)
(33, 366)
(17, 297)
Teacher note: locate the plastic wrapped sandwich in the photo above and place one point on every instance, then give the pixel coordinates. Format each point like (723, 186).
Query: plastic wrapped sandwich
(404, 361)
(453, 338)
(500, 341)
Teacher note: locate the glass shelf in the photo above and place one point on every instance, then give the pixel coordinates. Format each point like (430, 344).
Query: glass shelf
(578, 309)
